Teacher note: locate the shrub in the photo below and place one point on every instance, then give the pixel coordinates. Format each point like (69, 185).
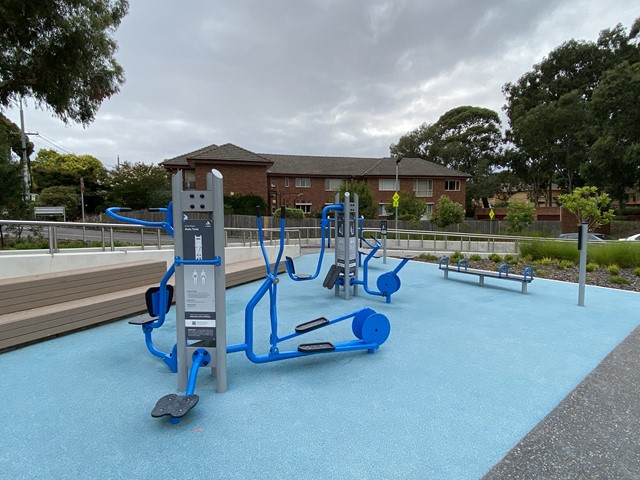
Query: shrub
(519, 216)
(475, 257)
(592, 267)
(636, 272)
(456, 256)
(508, 258)
(494, 257)
(613, 269)
(429, 257)
(562, 264)
(618, 280)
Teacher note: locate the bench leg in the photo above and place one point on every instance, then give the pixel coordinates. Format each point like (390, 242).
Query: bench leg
(524, 287)
(446, 274)
(481, 280)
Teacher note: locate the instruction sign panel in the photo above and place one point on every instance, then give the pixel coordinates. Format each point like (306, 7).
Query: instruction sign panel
(341, 243)
(199, 291)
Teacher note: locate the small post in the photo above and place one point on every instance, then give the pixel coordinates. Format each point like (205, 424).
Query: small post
(383, 232)
(583, 236)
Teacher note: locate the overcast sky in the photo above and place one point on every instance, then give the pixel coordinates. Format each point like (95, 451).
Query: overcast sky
(313, 77)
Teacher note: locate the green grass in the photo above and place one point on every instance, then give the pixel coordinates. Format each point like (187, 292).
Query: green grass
(623, 254)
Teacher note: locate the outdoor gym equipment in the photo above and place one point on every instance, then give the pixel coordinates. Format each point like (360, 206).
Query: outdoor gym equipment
(502, 273)
(388, 283)
(371, 329)
(343, 274)
(200, 291)
(159, 298)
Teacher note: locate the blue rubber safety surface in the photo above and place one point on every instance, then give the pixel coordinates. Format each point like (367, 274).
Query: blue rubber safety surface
(466, 372)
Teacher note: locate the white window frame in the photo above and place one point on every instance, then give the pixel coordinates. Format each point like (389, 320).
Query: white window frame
(286, 182)
(428, 212)
(332, 184)
(190, 179)
(273, 183)
(382, 209)
(304, 206)
(456, 184)
(387, 184)
(303, 182)
(427, 191)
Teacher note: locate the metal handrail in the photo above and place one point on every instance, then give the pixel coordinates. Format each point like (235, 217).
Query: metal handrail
(249, 236)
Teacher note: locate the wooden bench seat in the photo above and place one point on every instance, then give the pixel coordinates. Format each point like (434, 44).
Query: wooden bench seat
(39, 306)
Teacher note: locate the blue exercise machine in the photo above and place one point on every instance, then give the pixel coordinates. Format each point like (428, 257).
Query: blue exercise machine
(198, 232)
(343, 274)
(158, 299)
(370, 329)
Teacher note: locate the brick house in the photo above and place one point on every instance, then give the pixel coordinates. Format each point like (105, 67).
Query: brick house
(310, 182)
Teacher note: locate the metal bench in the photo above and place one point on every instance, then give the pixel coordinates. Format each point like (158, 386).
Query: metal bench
(501, 274)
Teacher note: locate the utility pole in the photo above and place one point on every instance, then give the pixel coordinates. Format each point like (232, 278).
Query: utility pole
(25, 166)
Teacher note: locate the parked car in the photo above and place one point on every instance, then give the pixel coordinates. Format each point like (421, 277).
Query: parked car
(632, 238)
(574, 236)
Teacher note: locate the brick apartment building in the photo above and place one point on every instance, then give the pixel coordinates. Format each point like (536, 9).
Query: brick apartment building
(310, 182)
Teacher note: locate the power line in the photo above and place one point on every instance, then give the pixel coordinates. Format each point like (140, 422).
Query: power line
(51, 142)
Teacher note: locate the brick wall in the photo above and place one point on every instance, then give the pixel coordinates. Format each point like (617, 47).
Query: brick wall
(241, 180)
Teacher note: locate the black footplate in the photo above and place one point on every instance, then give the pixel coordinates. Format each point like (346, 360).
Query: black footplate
(141, 321)
(332, 277)
(311, 325)
(316, 347)
(292, 269)
(175, 405)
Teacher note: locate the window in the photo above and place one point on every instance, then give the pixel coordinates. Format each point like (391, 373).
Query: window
(286, 182)
(423, 188)
(302, 182)
(189, 179)
(332, 184)
(382, 209)
(273, 183)
(305, 207)
(452, 185)
(428, 212)
(387, 184)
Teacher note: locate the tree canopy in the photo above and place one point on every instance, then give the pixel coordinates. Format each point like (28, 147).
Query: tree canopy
(465, 138)
(571, 116)
(138, 186)
(61, 53)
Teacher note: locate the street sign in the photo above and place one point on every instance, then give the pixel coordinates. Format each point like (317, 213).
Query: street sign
(396, 199)
(491, 214)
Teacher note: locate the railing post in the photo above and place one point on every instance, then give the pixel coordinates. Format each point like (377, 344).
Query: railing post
(113, 248)
(142, 238)
(158, 239)
(50, 230)
(102, 238)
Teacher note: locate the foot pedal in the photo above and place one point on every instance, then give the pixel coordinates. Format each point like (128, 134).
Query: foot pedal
(316, 347)
(141, 321)
(332, 277)
(292, 269)
(311, 325)
(175, 405)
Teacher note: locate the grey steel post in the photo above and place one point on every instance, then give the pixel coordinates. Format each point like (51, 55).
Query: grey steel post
(582, 246)
(347, 253)
(176, 195)
(214, 182)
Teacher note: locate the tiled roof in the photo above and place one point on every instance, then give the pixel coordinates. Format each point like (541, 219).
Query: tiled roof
(357, 167)
(230, 153)
(338, 167)
(311, 165)
(181, 160)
